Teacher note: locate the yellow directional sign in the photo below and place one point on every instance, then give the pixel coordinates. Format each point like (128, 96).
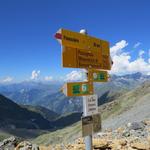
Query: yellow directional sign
(83, 51)
(80, 41)
(97, 75)
(79, 58)
(78, 88)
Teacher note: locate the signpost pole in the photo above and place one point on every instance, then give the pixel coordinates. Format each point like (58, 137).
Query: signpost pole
(88, 139)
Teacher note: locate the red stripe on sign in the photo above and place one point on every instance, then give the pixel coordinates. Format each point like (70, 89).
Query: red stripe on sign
(58, 36)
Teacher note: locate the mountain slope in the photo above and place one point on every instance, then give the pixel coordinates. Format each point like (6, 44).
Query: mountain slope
(46, 113)
(119, 85)
(32, 117)
(14, 116)
(65, 135)
(59, 103)
(129, 107)
(67, 119)
(28, 122)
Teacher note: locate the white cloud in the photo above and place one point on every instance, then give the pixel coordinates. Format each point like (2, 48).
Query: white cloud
(48, 78)
(6, 79)
(35, 74)
(139, 65)
(137, 44)
(123, 64)
(117, 48)
(120, 63)
(141, 52)
(74, 76)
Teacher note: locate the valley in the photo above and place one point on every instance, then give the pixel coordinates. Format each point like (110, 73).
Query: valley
(123, 100)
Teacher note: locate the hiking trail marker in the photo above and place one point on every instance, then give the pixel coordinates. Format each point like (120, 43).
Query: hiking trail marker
(80, 50)
(78, 88)
(97, 75)
(91, 104)
(83, 51)
(91, 124)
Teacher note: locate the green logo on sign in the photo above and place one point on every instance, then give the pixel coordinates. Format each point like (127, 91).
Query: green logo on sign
(76, 89)
(101, 76)
(84, 88)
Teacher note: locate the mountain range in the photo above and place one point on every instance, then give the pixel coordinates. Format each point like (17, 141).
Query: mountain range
(130, 107)
(48, 110)
(48, 95)
(28, 92)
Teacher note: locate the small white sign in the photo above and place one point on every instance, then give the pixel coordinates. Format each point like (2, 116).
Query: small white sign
(91, 104)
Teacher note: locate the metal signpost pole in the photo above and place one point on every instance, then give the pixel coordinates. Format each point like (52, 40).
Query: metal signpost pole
(88, 139)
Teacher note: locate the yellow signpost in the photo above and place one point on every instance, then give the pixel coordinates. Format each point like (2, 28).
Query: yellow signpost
(78, 88)
(83, 51)
(80, 41)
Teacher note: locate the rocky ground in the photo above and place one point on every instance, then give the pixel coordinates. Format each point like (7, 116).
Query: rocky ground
(131, 136)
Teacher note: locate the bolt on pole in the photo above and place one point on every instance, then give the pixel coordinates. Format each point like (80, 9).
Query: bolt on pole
(88, 139)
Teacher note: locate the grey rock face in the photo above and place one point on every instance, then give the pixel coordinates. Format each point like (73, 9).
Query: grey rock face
(136, 126)
(8, 143)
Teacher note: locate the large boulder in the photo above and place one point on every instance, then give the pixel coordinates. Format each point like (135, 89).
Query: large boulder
(25, 145)
(9, 143)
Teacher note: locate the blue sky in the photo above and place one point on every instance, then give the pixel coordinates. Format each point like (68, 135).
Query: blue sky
(27, 29)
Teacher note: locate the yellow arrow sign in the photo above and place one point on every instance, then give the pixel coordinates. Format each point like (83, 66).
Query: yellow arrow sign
(80, 41)
(78, 88)
(83, 51)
